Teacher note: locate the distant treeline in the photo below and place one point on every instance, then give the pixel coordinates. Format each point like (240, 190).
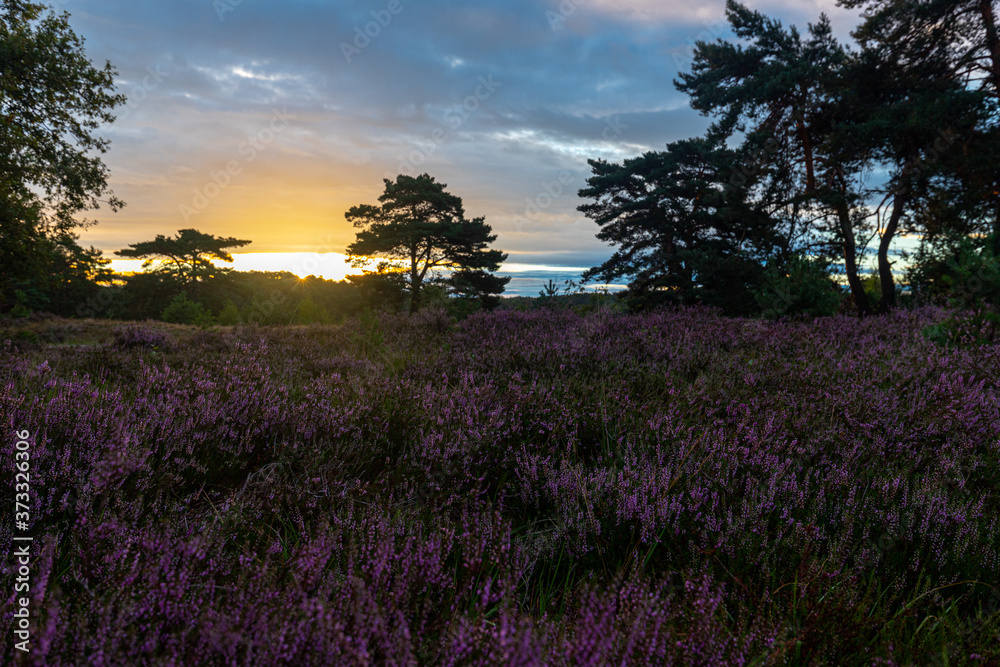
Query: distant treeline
(231, 297)
(275, 297)
(968, 276)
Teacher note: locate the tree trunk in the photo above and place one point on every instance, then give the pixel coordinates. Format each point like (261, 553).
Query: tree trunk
(996, 230)
(414, 281)
(808, 151)
(850, 259)
(993, 45)
(888, 301)
(992, 42)
(414, 297)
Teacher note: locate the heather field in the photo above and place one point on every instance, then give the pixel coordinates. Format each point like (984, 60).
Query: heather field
(516, 488)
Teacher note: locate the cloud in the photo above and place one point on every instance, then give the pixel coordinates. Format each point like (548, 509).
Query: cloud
(376, 87)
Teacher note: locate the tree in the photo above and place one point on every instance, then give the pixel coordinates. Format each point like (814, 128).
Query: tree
(829, 146)
(838, 116)
(961, 33)
(186, 257)
(785, 88)
(684, 231)
(52, 100)
(913, 112)
(478, 286)
(935, 80)
(419, 229)
(383, 288)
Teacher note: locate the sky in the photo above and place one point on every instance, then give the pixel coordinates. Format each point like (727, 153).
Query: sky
(267, 120)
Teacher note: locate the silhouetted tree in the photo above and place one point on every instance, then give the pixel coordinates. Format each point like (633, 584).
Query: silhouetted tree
(421, 228)
(929, 77)
(781, 87)
(806, 122)
(52, 100)
(684, 232)
(186, 257)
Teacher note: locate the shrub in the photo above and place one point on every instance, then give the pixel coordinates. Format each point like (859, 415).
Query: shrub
(966, 273)
(25, 340)
(184, 311)
(802, 286)
(542, 487)
(229, 315)
(307, 312)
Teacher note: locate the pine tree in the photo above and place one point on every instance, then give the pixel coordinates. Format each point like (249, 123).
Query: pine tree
(419, 229)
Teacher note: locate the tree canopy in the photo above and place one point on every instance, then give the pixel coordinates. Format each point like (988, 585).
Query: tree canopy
(420, 230)
(949, 50)
(684, 232)
(52, 101)
(187, 256)
(828, 146)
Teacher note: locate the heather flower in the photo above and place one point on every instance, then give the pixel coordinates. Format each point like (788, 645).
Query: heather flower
(517, 488)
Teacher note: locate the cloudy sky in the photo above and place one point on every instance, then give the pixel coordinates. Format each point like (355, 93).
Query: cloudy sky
(267, 120)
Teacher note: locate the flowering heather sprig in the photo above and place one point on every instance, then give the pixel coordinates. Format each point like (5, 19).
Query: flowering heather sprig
(136, 336)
